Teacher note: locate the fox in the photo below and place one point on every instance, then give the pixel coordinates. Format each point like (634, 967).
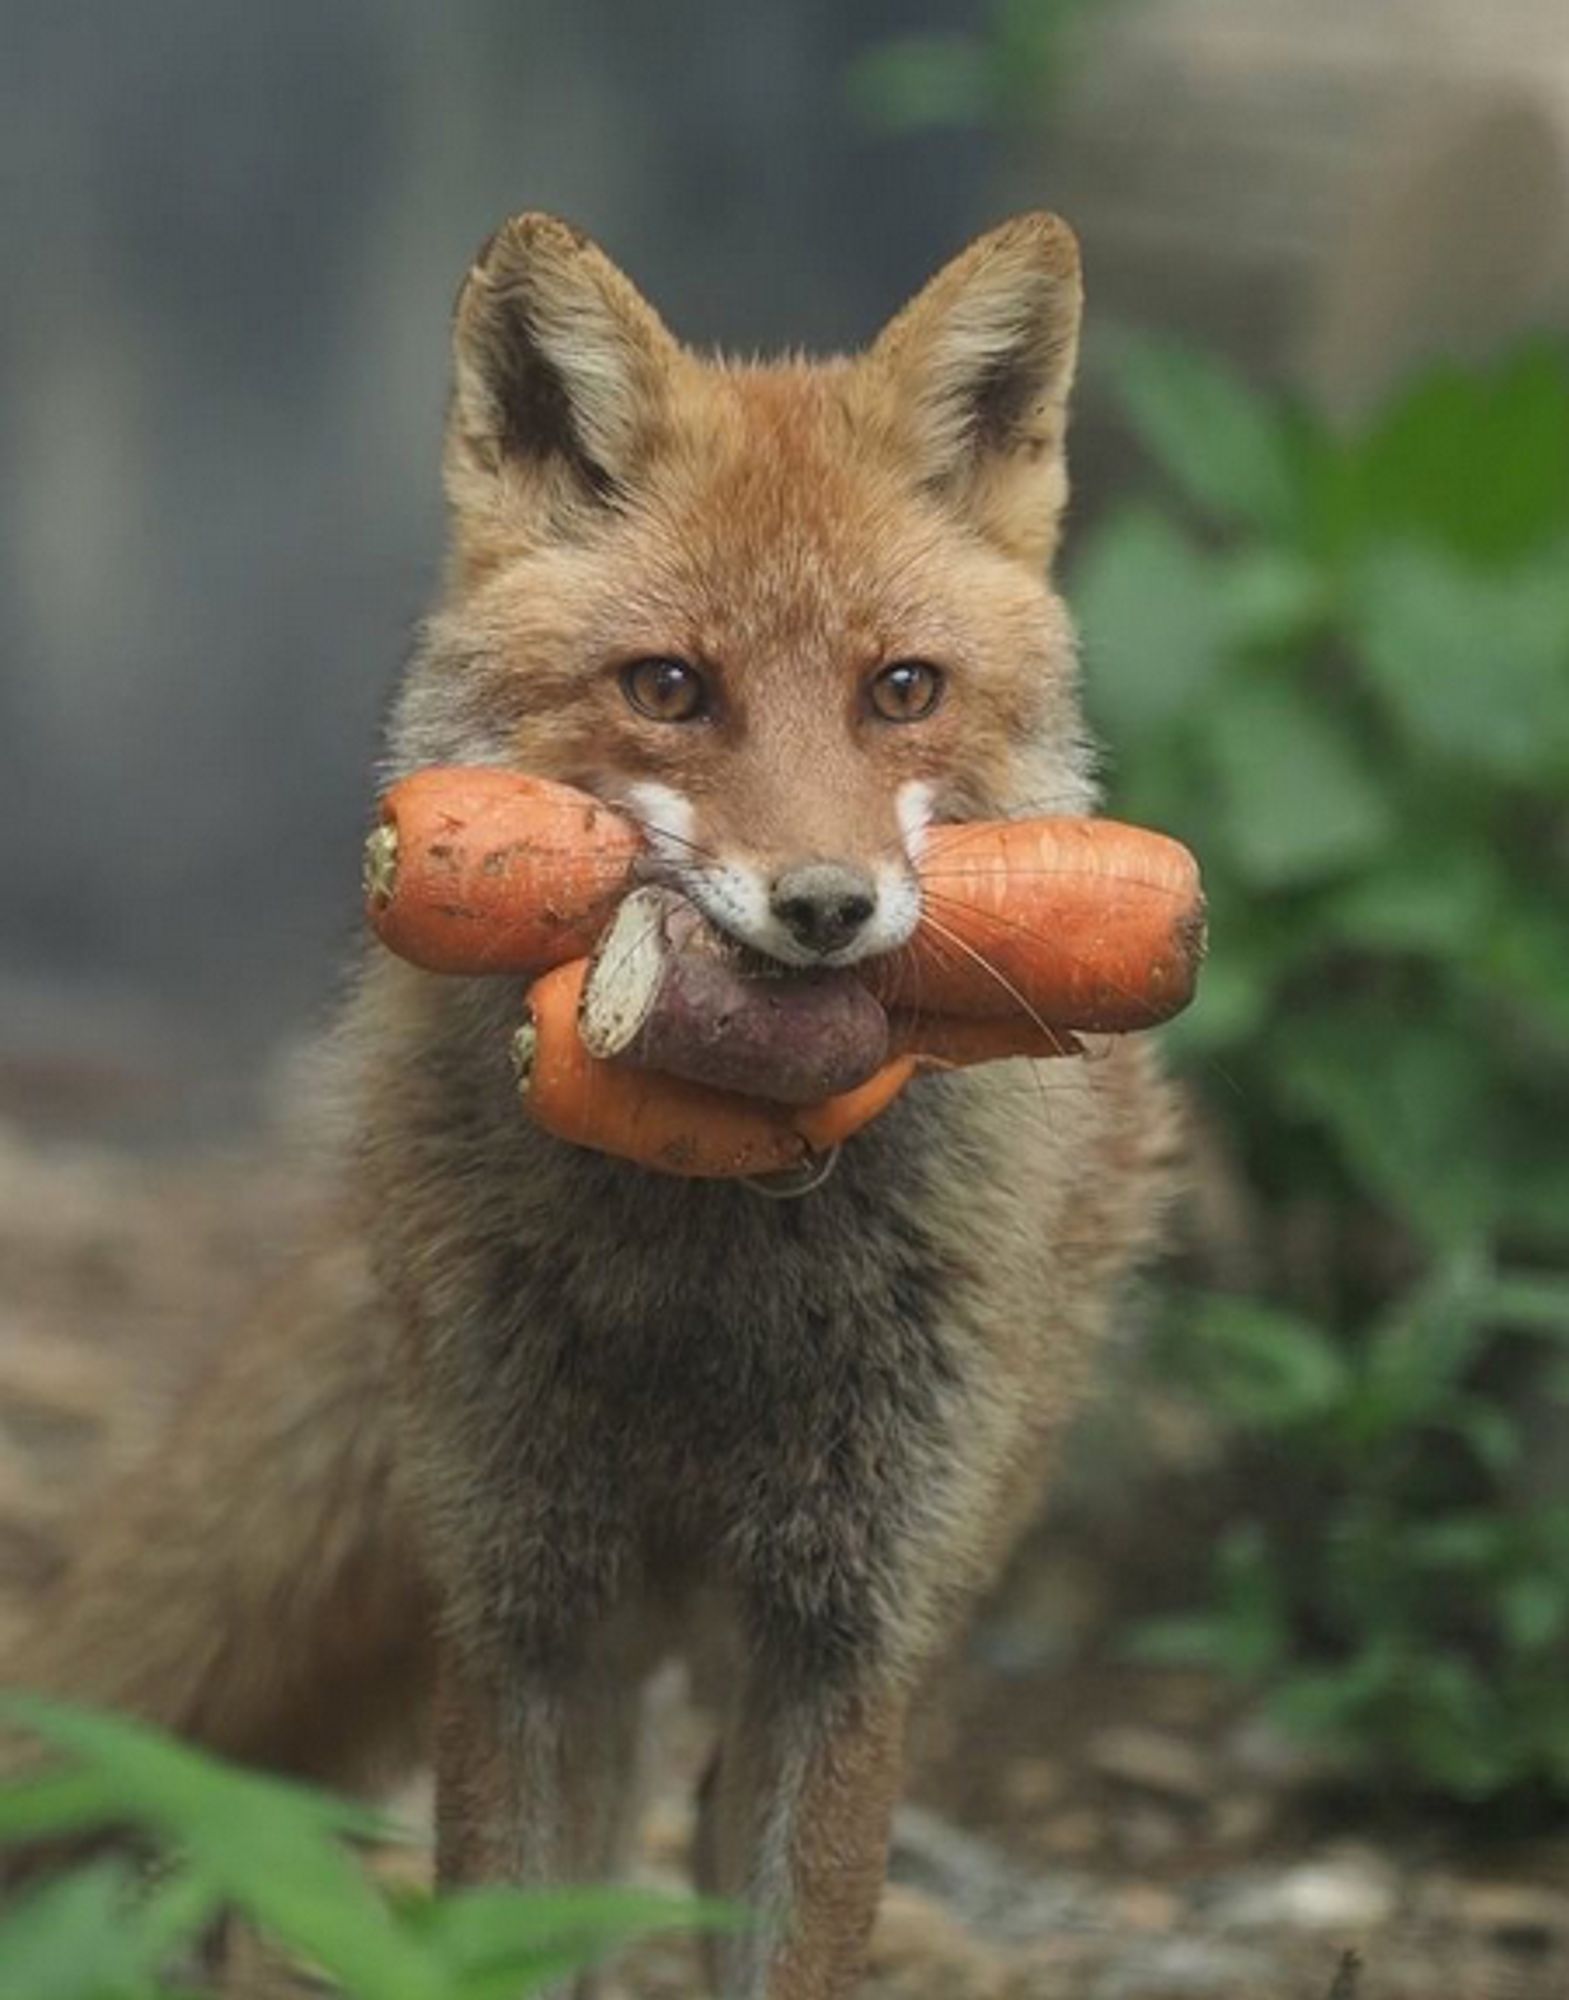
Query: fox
(524, 1422)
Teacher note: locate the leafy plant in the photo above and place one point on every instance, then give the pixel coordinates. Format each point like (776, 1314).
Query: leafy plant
(1000, 75)
(278, 1854)
(1339, 667)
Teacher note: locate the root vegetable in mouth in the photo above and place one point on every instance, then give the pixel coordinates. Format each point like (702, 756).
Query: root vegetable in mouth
(676, 1048)
(667, 1122)
(679, 1125)
(666, 992)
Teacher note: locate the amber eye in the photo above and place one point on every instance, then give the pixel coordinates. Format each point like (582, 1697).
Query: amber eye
(665, 690)
(907, 691)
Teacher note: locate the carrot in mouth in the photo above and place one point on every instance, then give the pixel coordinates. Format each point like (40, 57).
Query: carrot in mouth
(1061, 923)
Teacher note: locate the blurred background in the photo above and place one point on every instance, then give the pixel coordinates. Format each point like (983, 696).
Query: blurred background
(1320, 554)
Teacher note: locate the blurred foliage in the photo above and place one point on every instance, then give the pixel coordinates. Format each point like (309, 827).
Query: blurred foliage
(278, 1855)
(1001, 75)
(1339, 667)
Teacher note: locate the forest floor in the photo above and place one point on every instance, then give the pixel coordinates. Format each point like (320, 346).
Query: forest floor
(1076, 1828)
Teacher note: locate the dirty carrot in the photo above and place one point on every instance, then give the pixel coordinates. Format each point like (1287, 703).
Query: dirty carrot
(666, 1122)
(1069, 923)
(473, 869)
(955, 1041)
(839, 1118)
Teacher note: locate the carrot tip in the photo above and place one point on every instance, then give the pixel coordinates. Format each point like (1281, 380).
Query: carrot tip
(380, 873)
(524, 1047)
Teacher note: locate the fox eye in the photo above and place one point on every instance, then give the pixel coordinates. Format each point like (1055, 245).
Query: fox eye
(665, 690)
(907, 691)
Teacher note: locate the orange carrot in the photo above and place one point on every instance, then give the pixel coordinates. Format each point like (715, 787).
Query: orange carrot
(839, 1118)
(1068, 923)
(662, 1121)
(1062, 923)
(481, 870)
(955, 1041)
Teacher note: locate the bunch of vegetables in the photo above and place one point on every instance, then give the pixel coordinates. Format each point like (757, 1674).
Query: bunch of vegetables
(650, 1035)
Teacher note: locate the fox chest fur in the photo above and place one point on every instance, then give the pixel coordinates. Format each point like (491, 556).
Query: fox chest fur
(832, 1407)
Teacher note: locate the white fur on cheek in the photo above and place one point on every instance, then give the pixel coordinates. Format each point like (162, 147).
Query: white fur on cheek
(667, 819)
(914, 807)
(898, 892)
(898, 911)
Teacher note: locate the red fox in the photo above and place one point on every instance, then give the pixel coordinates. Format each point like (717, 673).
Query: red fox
(529, 1419)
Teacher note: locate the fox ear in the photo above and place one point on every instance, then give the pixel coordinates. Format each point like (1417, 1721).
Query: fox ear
(976, 372)
(559, 372)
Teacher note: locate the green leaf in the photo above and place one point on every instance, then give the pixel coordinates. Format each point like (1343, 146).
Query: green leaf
(1270, 596)
(1524, 954)
(1488, 1432)
(498, 1942)
(1458, 1544)
(1477, 461)
(1473, 667)
(1198, 1639)
(922, 83)
(1437, 896)
(1224, 446)
(1333, 1703)
(1245, 1632)
(1251, 1592)
(175, 1910)
(1296, 797)
(1418, 1354)
(1266, 1367)
(1154, 625)
(270, 1848)
(76, 1938)
(1531, 1301)
(1034, 46)
(1409, 1108)
(54, 1803)
(141, 1770)
(1451, 1727)
(1533, 1611)
(1539, 1196)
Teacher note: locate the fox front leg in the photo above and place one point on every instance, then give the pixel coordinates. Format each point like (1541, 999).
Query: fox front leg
(794, 1827)
(538, 1774)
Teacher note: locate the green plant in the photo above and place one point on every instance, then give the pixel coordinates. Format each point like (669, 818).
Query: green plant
(1001, 75)
(277, 1854)
(1339, 667)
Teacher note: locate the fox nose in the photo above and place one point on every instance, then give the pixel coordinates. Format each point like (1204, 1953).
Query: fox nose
(823, 903)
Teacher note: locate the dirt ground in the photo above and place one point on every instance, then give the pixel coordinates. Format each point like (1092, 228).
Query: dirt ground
(1076, 1828)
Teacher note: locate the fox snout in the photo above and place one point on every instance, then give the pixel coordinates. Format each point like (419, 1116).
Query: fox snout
(811, 912)
(823, 904)
(802, 909)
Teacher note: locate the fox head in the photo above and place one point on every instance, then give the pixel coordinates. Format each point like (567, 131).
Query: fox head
(785, 615)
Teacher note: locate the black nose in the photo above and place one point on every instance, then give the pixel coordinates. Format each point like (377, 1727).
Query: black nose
(823, 903)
